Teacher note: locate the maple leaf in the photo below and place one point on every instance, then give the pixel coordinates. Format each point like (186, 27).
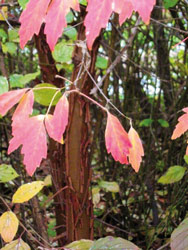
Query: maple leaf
(31, 19)
(117, 141)
(29, 132)
(136, 151)
(33, 139)
(9, 99)
(182, 125)
(20, 116)
(57, 12)
(56, 123)
(100, 11)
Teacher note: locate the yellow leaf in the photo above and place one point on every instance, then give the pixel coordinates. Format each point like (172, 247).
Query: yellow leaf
(48, 180)
(4, 14)
(16, 245)
(27, 191)
(8, 226)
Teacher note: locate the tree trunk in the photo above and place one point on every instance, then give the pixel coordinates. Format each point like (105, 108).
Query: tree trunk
(70, 165)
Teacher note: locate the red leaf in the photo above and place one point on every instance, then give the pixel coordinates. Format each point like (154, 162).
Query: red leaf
(9, 99)
(117, 141)
(31, 19)
(56, 19)
(57, 123)
(33, 139)
(137, 151)
(144, 8)
(100, 11)
(29, 132)
(182, 125)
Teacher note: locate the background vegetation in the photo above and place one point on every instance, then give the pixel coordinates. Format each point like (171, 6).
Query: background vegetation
(150, 85)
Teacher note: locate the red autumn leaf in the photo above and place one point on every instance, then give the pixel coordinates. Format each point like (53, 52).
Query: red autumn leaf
(57, 12)
(100, 11)
(29, 132)
(182, 125)
(31, 19)
(9, 99)
(33, 139)
(56, 123)
(117, 141)
(137, 151)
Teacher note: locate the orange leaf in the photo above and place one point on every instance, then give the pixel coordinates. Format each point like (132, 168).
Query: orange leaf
(56, 123)
(9, 99)
(117, 141)
(137, 151)
(182, 125)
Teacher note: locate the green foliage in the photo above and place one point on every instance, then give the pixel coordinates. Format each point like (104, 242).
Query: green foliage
(23, 3)
(101, 62)
(3, 85)
(173, 174)
(112, 243)
(63, 52)
(109, 186)
(17, 80)
(170, 3)
(146, 122)
(186, 158)
(9, 47)
(70, 32)
(44, 96)
(80, 245)
(7, 173)
(163, 123)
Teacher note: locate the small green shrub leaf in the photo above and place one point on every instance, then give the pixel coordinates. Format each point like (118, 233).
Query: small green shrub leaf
(109, 186)
(44, 96)
(112, 243)
(80, 245)
(173, 174)
(7, 173)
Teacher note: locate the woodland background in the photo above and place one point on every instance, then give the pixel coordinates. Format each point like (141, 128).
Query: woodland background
(150, 85)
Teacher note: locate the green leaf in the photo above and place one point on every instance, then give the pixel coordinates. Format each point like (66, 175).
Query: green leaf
(23, 3)
(70, 32)
(51, 231)
(179, 237)
(146, 122)
(44, 96)
(19, 81)
(101, 62)
(7, 173)
(163, 123)
(13, 35)
(80, 245)
(3, 34)
(95, 195)
(173, 174)
(70, 17)
(83, 2)
(3, 85)
(9, 47)
(170, 3)
(109, 186)
(63, 52)
(111, 243)
(186, 158)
